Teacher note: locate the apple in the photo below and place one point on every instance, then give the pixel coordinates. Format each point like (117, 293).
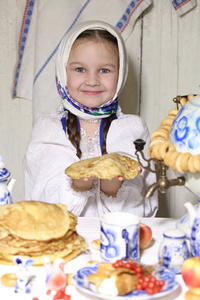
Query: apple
(191, 272)
(145, 236)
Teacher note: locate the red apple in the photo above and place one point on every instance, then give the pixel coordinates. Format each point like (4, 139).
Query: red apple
(191, 272)
(145, 236)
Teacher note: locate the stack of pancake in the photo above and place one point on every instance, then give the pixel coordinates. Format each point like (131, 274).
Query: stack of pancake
(36, 229)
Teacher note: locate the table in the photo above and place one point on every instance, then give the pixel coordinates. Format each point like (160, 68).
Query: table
(89, 228)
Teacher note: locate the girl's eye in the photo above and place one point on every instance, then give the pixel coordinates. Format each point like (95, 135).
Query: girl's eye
(104, 71)
(80, 70)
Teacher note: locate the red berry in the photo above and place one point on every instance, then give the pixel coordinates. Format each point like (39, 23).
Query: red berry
(145, 284)
(116, 265)
(151, 285)
(139, 286)
(161, 282)
(130, 260)
(127, 266)
(140, 280)
(48, 292)
(147, 279)
(156, 289)
(35, 298)
(138, 269)
(153, 279)
(66, 297)
(139, 275)
(149, 291)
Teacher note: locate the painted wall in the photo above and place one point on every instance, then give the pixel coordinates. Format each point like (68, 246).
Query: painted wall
(164, 62)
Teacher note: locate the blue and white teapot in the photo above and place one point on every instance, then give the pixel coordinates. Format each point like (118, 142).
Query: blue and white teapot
(5, 185)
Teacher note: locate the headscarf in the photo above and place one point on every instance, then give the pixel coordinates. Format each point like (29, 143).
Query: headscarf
(61, 76)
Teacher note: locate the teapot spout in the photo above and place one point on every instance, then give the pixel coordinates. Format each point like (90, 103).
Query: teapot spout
(11, 182)
(191, 212)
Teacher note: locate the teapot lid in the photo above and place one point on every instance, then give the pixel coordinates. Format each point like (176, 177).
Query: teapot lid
(4, 173)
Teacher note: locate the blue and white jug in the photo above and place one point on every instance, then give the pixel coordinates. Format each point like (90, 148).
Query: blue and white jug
(5, 185)
(173, 250)
(194, 221)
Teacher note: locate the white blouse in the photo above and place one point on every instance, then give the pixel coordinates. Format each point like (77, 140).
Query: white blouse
(50, 152)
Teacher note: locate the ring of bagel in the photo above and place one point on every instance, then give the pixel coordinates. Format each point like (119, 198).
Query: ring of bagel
(193, 294)
(9, 279)
(162, 149)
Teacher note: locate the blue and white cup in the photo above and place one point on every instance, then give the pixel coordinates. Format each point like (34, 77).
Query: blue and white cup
(119, 238)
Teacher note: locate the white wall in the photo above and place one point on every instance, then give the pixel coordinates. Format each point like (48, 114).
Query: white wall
(15, 114)
(164, 62)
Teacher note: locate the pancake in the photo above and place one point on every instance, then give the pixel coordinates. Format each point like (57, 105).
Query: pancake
(106, 166)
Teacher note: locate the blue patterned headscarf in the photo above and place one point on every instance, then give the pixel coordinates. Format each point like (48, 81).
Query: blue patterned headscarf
(71, 104)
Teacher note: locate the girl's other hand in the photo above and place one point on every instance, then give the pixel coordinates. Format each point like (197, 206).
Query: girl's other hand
(139, 170)
(83, 184)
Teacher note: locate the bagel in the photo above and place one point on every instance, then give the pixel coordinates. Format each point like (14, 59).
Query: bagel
(165, 147)
(9, 279)
(166, 127)
(191, 166)
(168, 157)
(196, 161)
(156, 151)
(193, 294)
(190, 96)
(160, 138)
(96, 244)
(184, 161)
(155, 142)
(173, 112)
(160, 132)
(168, 121)
(183, 101)
(173, 158)
(178, 164)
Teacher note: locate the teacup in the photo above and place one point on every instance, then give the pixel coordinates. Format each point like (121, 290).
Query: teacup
(119, 236)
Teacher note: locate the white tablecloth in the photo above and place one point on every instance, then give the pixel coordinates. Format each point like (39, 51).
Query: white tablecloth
(89, 228)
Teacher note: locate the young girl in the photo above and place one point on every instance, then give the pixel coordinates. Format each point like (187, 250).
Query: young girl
(91, 69)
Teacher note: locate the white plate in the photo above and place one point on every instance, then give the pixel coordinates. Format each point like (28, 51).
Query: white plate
(83, 285)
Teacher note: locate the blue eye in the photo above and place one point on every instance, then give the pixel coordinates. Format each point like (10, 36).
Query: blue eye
(104, 71)
(80, 70)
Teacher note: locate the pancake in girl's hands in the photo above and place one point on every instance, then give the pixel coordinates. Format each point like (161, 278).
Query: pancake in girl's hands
(106, 166)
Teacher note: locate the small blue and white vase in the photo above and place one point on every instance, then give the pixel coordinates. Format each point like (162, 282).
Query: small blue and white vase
(173, 250)
(5, 185)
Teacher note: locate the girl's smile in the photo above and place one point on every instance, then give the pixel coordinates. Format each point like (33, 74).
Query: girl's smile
(92, 72)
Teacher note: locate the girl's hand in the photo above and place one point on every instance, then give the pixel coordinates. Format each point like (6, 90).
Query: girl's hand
(81, 185)
(139, 170)
(111, 187)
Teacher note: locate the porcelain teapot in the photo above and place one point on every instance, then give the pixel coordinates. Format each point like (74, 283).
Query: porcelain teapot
(194, 222)
(5, 185)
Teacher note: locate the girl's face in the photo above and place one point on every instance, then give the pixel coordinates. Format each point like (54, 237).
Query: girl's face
(92, 72)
